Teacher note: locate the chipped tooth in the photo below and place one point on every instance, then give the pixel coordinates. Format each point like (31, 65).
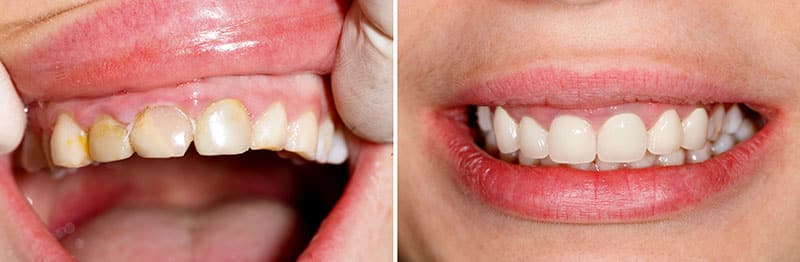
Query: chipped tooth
(694, 129)
(724, 143)
(605, 166)
(32, 153)
(69, 144)
(572, 140)
(699, 155)
(108, 140)
(733, 119)
(676, 158)
(647, 161)
(525, 161)
(547, 161)
(484, 118)
(666, 134)
(326, 130)
(532, 139)
(161, 132)
(622, 139)
(338, 153)
(270, 130)
(746, 130)
(583, 166)
(509, 157)
(302, 136)
(715, 122)
(223, 129)
(505, 131)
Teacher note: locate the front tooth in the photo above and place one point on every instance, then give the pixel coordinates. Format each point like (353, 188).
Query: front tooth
(525, 161)
(715, 122)
(666, 134)
(324, 141)
(583, 166)
(699, 155)
(509, 157)
(572, 140)
(676, 158)
(605, 166)
(647, 161)
(694, 129)
(505, 131)
(108, 140)
(622, 139)
(733, 119)
(269, 131)
(338, 153)
(746, 130)
(547, 161)
(484, 118)
(724, 143)
(161, 132)
(69, 144)
(303, 135)
(223, 129)
(532, 139)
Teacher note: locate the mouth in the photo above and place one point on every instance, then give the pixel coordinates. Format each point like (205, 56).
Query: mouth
(616, 146)
(205, 136)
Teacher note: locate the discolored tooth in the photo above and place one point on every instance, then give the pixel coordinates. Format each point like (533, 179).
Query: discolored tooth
(484, 114)
(161, 132)
(733, 119)
(647, 161)
(527, 161)
(32, 153)
(338, 153)
(724, 143)
(584, 166)
(270, 130)
(694, 129)
(509, 157)
(547, 161)
(676, 158)
(532, 139)
(699, 155)
(746, 130)
(505, 131)
(108, 140)
(622, 139)
(69, 144)
(326, 130)
(715, 122)
(303, 133)
(572, 140)
(490, 143)
(223, 129)
(666, 134)
(605, 166)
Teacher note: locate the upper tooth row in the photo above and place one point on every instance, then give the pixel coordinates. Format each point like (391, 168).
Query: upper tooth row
(623, 138)
(223, 128)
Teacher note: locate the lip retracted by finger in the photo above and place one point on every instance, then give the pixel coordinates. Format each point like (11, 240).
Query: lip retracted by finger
(12, 114)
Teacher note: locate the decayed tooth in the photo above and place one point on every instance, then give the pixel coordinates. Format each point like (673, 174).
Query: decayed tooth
(572, 140)
(326, 130)
(484, 118)
(676, 158)
(733, 119)
(270, 130)
(647, 161)
(303, 133)
(724, 143)
(526, 161)
(161, 132)
(108, 140)
(223, 129)
(505, 131)
(532, 139)
(605, 166)
(694, 129)
(69, 144)
(746, 130)
(32, 156)
(666, 134)
(715, 122)
(699, 155)
(622, 139)
(338, 153)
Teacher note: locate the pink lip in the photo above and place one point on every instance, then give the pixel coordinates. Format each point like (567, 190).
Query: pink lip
(565, 195)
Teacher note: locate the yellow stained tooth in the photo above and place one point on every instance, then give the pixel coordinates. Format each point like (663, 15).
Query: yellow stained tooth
(161, 132)
(302, 137)
(270, 130)
(223, 129)
(69, 144)
(108, 140)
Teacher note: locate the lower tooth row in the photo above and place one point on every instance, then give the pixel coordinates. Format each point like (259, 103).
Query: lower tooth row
(223, 128)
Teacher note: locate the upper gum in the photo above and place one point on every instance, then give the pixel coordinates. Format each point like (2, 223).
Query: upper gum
(647, 112)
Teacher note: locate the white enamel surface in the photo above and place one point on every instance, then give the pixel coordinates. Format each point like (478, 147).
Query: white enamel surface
(12, 113)
(505, 131)
(733, 119)
(69, 144)
(108, 140)
(695, 127)
(303, 135)
(605, 166)
(647, 161)
(622, 139)
(699, 155)
(223, 129)
(484, 114)
(673, 159)
(572, 140)
(270, 129)
(715, 122)
(723, 144)
(338, 153)
(532, 139)
(746, 130)
(161, 132)
(666, 135)
(324, 140)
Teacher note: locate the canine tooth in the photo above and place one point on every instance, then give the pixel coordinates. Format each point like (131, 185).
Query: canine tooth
(647, 161)
(532, 139)
(108, 140)
(572, 140)
(223, 129)
(622, 139)
(746, 130)
(715, 122)
(33, 155)
(509, 157)
(484, 118)
(270, 130)
(724, 143)
(490, 143)
(69, 144)
(694, 129)
(666, 134)
(302, 137)
(605, 166)
(525, 161)
(161, 132)
(338, 153)
(733, 119)
(324, 140)
(505, 131)
(676, 158)
(699, 155)
(583, 166)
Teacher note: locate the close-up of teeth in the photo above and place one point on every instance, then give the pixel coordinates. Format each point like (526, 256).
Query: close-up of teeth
(622, 141)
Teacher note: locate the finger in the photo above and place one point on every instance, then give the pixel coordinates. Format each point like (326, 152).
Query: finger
(12, 114)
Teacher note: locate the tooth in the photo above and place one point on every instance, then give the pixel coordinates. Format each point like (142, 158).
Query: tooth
(269, 131)
(484, 118)
(583, 166)
(622, 139)
(572, 140)
(108, 140)
(724, 143)
(699, 155)
(302, 137)
(647, 161)
(69, 144)
(746, 130)
(532, 139)
(676, 158)
(666, 134)
(338, 153)
(161, 132)
(505, 131)
(715, 122)
(547, 161)
(509, 157)
(12, 113)
(527, 161)
(733, 119)
(324, 141)
(33, 155)
(605, 166)
(490, 143)
(694, 129)
(223, 129)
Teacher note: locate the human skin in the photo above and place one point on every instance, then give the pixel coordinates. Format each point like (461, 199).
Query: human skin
(445, 44)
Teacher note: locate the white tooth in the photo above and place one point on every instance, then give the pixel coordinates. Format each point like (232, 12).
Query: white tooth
(69, 144)
(724, 143)
(699, 155)
(338, 153)
(547, 161)
(583, 166)
(676, 158)
(33, 155)
(746, 130)
(223, 129)
(666, 134)
(509, 157)
(605, 166)
(326, 130)
(715, 122)
(269, 131)
(647, 161)
(505, 131)
(161, 132)
(527, 161)
(622, 139)
(733, 119)
(12, 113)
(484, 118)
(694, 129)
(572, 140)
(490, 143)
(532, 139)
(303, 133)
(108, 140)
